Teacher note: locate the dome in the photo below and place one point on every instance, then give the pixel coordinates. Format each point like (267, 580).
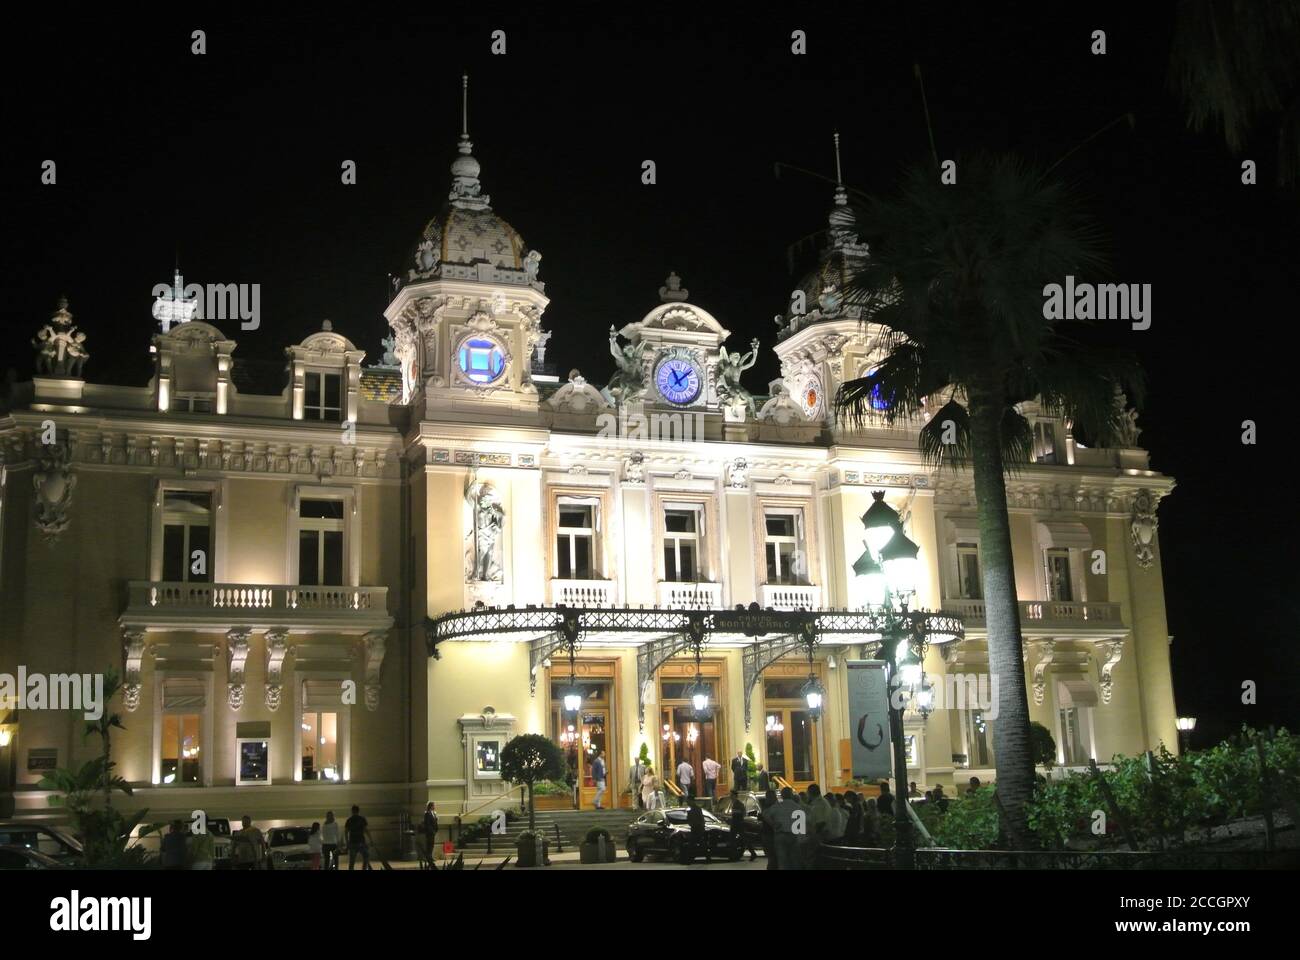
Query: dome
(468, 235)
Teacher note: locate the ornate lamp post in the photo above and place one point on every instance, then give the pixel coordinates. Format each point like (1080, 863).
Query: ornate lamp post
(889, 572)
(1185, 727)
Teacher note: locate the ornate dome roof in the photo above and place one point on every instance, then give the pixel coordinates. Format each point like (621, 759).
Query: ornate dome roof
(823, 286)
(471, 235)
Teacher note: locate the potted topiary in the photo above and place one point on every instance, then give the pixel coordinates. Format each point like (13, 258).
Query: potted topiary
(597, 847)
(530, 850)
(530, 759)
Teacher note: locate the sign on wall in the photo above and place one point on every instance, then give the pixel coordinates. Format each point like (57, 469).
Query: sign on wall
(869, 719)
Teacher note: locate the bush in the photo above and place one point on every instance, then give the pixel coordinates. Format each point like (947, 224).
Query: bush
(971, 822)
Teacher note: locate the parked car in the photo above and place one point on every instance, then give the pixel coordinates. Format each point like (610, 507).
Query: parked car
(665, 832)
(13, 857)
(54, 842)
(753, 810)
(219, 827)
(288, 847)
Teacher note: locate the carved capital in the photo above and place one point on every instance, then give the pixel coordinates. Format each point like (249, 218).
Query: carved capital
(277, 648)
(373, 647)
(1112, 650)
(1047, 650)
(236, 657)
(133, 647)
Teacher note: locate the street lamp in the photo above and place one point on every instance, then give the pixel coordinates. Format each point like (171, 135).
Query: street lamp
(1185, 727)
(889, 570)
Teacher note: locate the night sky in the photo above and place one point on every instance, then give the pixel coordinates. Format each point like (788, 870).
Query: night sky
(231, 161)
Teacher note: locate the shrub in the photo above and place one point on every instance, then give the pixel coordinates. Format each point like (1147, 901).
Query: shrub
(971, 823)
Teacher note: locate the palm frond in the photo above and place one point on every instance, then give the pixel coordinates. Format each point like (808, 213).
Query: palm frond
(945, 439)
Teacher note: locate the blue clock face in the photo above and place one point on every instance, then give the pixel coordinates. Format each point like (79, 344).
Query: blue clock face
(678, 380)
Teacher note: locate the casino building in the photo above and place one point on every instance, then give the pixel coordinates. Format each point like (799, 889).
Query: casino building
(348, 583)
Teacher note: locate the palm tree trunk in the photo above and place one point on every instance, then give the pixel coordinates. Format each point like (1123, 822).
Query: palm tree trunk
(1011, 737)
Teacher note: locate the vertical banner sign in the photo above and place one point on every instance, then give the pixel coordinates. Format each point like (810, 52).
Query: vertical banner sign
(869, 719)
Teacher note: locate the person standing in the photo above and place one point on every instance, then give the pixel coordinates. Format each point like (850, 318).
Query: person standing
(739, 837)
(635, 776)
(764, 780)
(248, 846)
(885, 802)
(711, 770)
(686, 778)
(789, 820)
(202, 850)
(767, 833)
(172, 853)
(314, 845)
(699, 832)
(358, 833)
(430, 828)
(598, 774)
(821, 825)
(650, 789)
(329, 836)
(740, 771)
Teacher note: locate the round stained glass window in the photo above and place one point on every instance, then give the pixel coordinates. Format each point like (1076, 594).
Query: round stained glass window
(481, 359)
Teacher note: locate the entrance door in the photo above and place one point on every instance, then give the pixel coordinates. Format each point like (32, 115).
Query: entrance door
(593, 737)
(580, 735)
(791, 745)
(687, 739)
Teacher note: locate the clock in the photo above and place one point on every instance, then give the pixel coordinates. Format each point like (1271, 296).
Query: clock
(810, 397)
(678, 380)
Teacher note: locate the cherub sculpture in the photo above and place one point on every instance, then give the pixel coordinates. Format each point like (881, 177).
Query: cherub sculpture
(730, 367)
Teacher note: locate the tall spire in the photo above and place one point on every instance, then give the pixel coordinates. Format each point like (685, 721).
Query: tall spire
(841, 195)
(465, 186)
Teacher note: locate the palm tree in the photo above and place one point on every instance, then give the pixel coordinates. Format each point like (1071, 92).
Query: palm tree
(956, 281)
(1233, 65)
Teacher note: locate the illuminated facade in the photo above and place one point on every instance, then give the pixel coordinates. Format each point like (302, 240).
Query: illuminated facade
(263, 567)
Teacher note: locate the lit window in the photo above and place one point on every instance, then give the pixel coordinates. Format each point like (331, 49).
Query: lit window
(180, 760)
(481, 360)
(784, 547)
(1060, 587)
(969, 586)
(320, 746)
(187, 536)
(320, 542)
(321, 397)
(574, 542)
(682, 545)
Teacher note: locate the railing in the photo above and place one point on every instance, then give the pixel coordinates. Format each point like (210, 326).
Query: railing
(690, 596)
(1044, 613)
(582, 593)
(161, 596)
(789, 596)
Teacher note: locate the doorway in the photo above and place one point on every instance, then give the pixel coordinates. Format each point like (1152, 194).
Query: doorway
(683, 737)
(581, 735)
(793, 751)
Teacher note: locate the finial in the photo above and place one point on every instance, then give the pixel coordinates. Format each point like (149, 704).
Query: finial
(326, 326)
(839, 176)
(464, 105)
(672, 290)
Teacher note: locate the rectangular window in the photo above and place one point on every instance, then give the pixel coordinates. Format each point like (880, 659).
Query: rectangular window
(969, 586)
(320, 543)
(1044, 442)
(180, 748)
(1060, 587)
(187, 536)
(801, 745)
(575, 542)
(682, 544)
(1074, 738)
(320, 745)
(254, 761)
(977, 738)
(322, 394)
(784, 547)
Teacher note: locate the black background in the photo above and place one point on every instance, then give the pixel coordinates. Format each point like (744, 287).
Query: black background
(231, 162)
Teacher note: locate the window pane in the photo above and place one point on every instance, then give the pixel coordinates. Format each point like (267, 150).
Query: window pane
(801, 745)
(780, 524)
(679, 521)
(786, 552)
(776, 752)
(782, 689)
(687, 571)
(332, 391)
(199, 537)
(670, 563)
(575, 517)
(174, 563)
(333, 573)
(190, 748)
(328, 746)
(321, 509)
(308, 558)
(311, 395)
(771, 563)
(582, 558)
(564, 562)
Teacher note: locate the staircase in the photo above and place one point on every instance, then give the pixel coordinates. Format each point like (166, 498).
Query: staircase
(573, 826)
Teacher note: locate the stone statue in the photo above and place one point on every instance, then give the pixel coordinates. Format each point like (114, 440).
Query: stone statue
(1128, 431)
(672, 291)
(487, 522)
(426, 258)
(628, 382)
(729, 368)
(54, 482)
(532, 263)
(60, 345)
